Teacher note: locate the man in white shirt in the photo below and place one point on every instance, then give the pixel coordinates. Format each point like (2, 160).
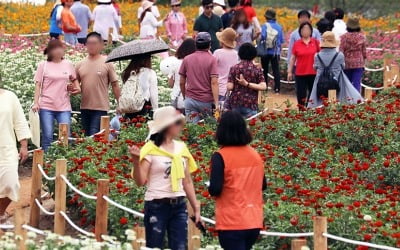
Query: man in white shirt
(339, 26)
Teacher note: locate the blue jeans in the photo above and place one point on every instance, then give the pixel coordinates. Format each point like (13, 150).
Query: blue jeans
(162, 217)
(355, 76)
(196, 110)
(245, 112)
(91, 120)
(238, 239)
(47, 118)
(70, 39)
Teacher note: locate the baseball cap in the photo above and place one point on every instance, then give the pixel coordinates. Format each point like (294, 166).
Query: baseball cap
(203, 37)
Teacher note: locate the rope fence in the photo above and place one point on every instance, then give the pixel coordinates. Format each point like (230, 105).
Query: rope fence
(72, 224)
(358, 243)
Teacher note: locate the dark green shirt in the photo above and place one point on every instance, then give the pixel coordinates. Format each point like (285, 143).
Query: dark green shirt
(211, 25)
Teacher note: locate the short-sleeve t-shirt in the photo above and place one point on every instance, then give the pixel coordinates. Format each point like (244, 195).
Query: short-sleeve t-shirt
(95, 77)
(305, 54)
(159, 180)
(68, 18)
(226, 58)
(198, 68)
(211, 25)
(56, 77)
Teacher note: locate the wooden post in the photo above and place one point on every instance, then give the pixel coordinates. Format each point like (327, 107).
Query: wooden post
(105, 124)
(396, 74)
(320, 227)
(60, 196)
(332, 96)
(19, 230)
(63, 131)
(297, 244)
(110, 33)
(368, 94)
(36, 188)
(140, 238)
(101, 209)
(194, 234)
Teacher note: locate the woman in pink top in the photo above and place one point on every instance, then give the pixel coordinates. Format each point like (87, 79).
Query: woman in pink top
(176, 25)
(226, 58)
(55, 81)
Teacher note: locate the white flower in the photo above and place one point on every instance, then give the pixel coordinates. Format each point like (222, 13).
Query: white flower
(367, 217)
(31, 235)
(305, 248)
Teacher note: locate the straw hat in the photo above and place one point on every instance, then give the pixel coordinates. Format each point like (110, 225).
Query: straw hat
(175, 2)
(218, 10)
(219, 2)
(228, 37)
(329, 40)
(163, 118)
(146, 4)
(353, 23)
(104, 1)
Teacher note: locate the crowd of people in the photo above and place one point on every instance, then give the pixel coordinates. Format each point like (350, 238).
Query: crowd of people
(215, 70)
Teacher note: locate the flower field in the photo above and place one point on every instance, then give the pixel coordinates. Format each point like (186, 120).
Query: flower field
(342, 163)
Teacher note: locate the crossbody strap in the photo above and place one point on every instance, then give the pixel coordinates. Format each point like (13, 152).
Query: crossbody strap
(42, 81)
(330, 64)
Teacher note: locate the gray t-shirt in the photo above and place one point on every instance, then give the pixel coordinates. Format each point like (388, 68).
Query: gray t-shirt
(83, 16)
(244, 35)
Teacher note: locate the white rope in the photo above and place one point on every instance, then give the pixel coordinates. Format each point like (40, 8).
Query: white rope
(6, 226)
(75, 226)
(26, 35)
(98, 133)
(394, 79)
(374, 70)
(356, 242)
(87, 196)
(391, 32)
(131, 211)
(44, 195)
(282, 81)
(208, 220)
(290, 235)
(35, 230)
(113, 111)
(373, 88)
(44, 174)
(44, 210)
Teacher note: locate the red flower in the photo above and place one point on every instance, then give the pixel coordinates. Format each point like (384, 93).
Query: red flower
(294, 220)
(367, 237)
(123, 221)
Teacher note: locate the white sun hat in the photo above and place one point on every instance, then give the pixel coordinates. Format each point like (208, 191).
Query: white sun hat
(219, 2)
(163, 118)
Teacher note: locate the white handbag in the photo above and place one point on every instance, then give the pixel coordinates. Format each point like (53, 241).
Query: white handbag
(131, 99)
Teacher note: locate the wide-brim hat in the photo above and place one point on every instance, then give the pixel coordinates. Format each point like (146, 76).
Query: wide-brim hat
(270, 14)
(104, 1)
(175, 2)
(353, 23)
(228, 37)
(137, 47)
(219, 2)
(146, 4)
(329, 40)
(163, 118)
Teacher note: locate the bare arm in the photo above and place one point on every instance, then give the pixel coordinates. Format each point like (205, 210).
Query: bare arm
(171, 81)
(140, 171)
(260, 86)
(116, 90)
(229, 86)
(291, 66)
(76, 87)
(191, 194)
(36, 98)
(183, 85)
(215, 89)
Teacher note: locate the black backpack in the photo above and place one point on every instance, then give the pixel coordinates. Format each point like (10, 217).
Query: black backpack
(327, 80)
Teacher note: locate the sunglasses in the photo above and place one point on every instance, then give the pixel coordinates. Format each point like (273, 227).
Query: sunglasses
(209, 7)
(176, 5)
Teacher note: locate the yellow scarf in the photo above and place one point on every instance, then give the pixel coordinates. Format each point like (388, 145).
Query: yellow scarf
(177, 168)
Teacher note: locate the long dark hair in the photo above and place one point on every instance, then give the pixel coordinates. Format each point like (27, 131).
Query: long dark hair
(158, 138)
(52, 45)
(236, 20)
(144, 14)
(142, 61)
(187, 47)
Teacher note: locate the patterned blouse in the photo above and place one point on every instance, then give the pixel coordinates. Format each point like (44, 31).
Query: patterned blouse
(243, 96)
(353, 46)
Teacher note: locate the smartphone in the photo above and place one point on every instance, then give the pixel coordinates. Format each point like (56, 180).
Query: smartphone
(200, 226)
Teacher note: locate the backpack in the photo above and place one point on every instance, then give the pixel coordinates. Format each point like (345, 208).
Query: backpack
(327, 81)
(268, 40)
(131, 99)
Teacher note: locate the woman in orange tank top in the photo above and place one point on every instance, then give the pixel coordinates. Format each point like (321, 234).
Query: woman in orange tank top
(237, 183)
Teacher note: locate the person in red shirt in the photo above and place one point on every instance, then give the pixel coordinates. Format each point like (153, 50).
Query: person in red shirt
(246, 5)
(303, 54)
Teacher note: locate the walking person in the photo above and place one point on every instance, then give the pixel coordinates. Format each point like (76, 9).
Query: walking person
(303, 54)
(105, 17)
(164, 165)
(83, 17)
(208, 22)
(226, 57)
(148, 22)
(96, 76)
(14, 130)
(273, 55)
(245, 81)
(354, 46)
(55, 21)
(228, 15)
(199, 80)
(117, 8)
(68, 23)
(176, 24)
(154, 9)
(140, 66)
(55, 80)
(246, 32)
(303, 17)
(335, 61)
(237, 182)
